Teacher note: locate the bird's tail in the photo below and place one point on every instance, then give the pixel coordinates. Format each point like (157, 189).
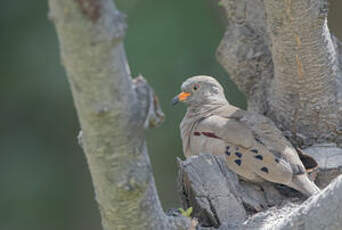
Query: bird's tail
(303, 184)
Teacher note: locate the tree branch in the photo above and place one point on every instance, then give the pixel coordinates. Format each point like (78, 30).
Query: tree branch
(244, 51)
(282, 56)
(211, 189)
(303, 95)
(322, 211)
(219, 200)
(112, 113)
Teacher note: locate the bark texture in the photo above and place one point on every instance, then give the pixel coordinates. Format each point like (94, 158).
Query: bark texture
(221, 201)
(283, 57)
(113, 111)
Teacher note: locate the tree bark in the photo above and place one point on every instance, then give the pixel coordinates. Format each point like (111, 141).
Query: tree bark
(112, 111)
(303, 92)
(282, 56)
(220, 202)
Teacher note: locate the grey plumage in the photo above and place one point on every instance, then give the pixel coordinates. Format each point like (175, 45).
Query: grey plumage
(254, 148)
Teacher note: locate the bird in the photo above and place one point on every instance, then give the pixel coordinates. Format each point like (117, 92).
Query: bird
(253, 147)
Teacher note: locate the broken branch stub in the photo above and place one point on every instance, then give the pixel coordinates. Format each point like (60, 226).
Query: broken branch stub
(211, 189)
(220, 200)
(217, 196)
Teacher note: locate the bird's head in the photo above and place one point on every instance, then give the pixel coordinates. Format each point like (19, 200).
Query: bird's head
(200, 90)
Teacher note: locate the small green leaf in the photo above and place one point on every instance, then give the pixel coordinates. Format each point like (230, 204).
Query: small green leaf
(189, 212)
(186, 213)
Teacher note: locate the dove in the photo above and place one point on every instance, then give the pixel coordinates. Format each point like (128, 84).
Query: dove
(252, 145)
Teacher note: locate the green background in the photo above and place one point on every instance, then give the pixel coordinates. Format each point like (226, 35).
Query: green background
(44, 179)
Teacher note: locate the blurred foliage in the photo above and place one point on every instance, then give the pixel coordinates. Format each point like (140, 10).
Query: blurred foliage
(44, 179)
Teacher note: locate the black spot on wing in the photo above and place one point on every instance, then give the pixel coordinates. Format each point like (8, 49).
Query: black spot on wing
(238, 162)
(264, 169)
(254, 150)
(275, 153)
(227, 150)
(238, 154)
(259, 141)
(197, 134)
(260, 157)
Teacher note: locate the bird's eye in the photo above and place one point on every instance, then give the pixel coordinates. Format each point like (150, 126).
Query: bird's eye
(196, 86)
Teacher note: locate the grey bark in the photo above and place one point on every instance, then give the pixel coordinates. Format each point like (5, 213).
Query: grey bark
(282, 56)
(212, 193)
(112, 110)
(220, 200)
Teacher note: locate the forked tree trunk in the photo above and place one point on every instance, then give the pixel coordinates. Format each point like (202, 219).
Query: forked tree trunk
(286, 63)
(283, 57)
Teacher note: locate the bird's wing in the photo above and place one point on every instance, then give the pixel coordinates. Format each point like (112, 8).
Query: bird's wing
(255, 146)
(267, 134)
(245, 155)
(229, 130)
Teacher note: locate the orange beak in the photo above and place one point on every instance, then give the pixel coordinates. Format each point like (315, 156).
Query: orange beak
(180, 97)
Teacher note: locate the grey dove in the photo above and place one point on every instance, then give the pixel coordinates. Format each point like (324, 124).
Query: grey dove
(253, 147)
